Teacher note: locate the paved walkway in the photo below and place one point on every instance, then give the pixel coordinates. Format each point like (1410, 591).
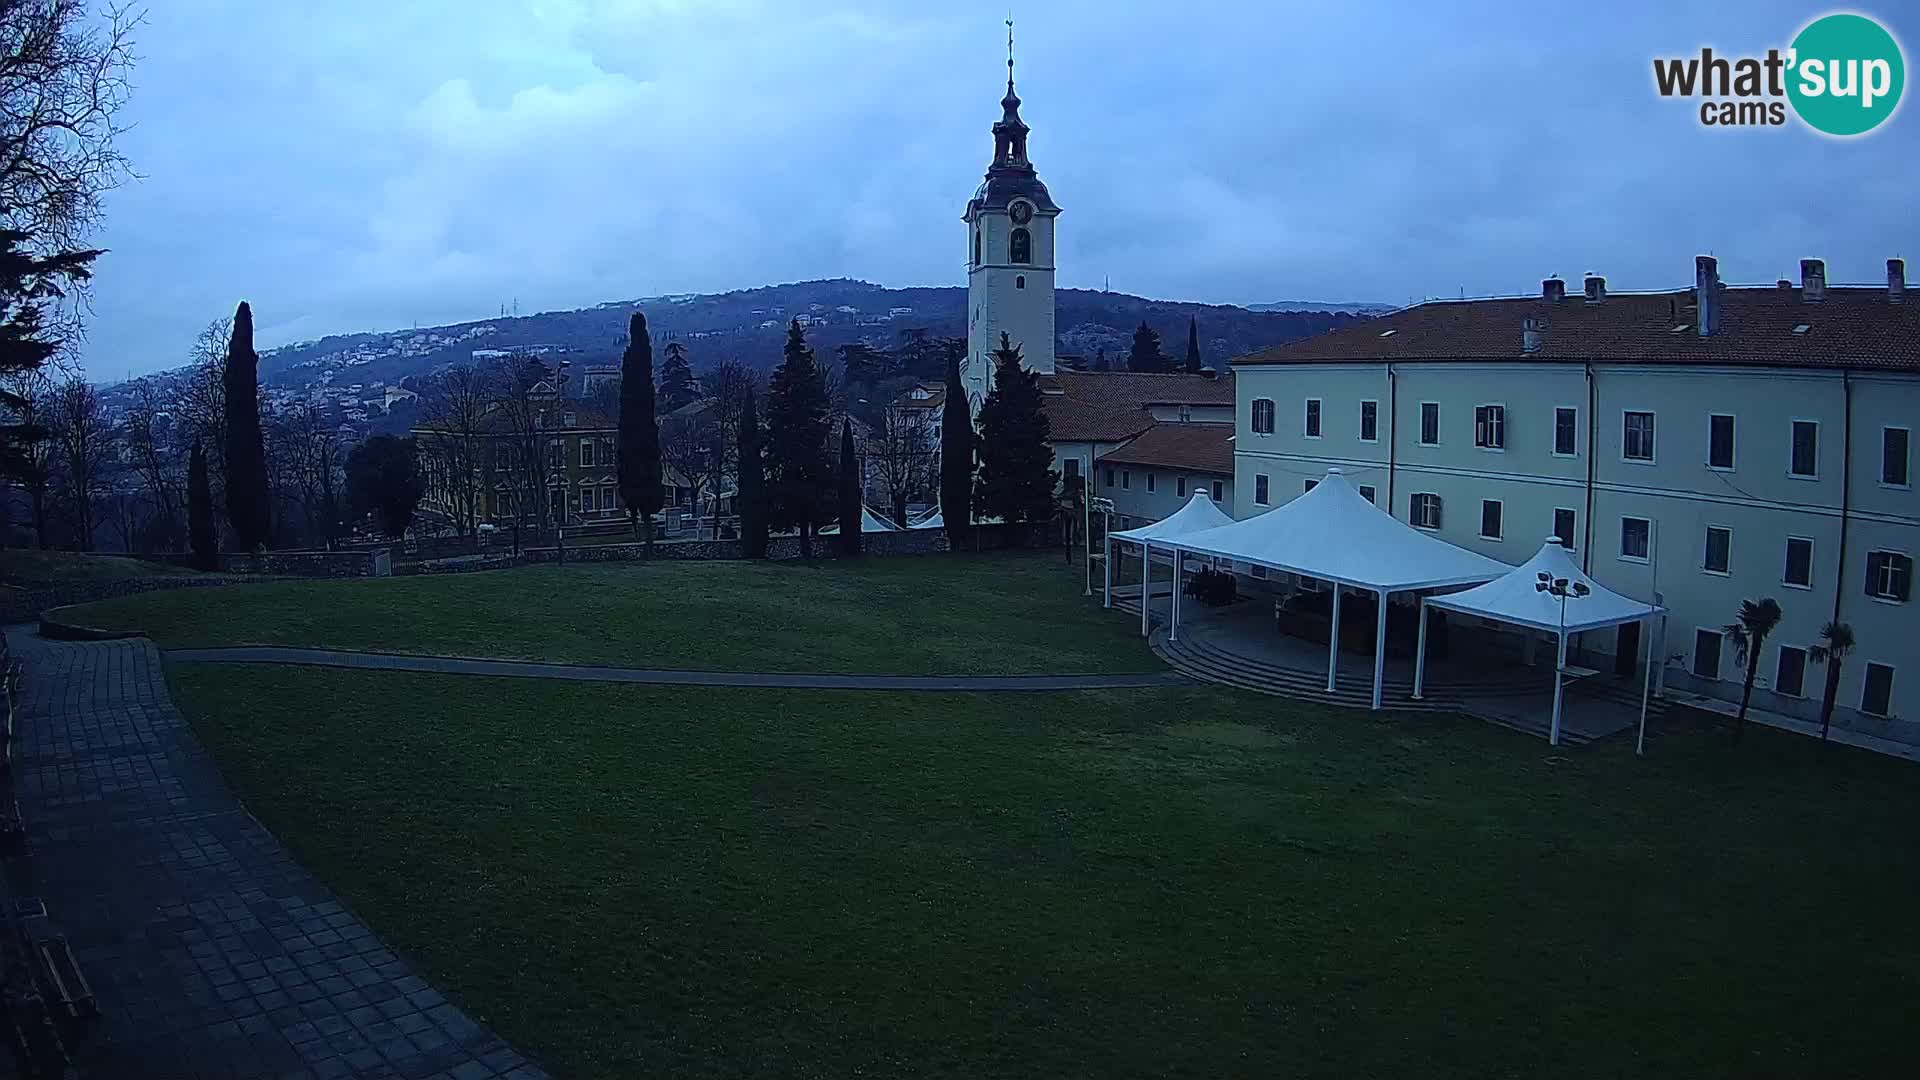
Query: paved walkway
(212, 953)
(529, 669)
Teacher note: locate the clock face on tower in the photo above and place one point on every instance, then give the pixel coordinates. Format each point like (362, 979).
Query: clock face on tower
(1022, 212)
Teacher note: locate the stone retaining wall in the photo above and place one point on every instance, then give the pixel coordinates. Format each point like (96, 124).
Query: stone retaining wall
(26, 604)
(779, 549)
(360, 562)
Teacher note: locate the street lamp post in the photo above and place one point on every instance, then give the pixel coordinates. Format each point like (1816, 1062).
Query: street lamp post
(1561, 588)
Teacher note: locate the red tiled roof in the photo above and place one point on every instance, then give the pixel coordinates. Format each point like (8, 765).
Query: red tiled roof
(1200, 447)
(1854, 327)
(1109, 406)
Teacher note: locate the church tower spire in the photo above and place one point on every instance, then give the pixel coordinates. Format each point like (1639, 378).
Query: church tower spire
(1010, 237)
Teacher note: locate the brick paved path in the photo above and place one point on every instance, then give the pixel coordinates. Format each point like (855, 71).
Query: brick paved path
(211, 951)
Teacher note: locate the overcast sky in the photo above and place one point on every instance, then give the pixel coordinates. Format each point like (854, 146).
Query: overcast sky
(370, 164)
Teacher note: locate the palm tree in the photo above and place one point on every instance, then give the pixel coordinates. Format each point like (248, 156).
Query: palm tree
(1756, 620)
(1836, 641)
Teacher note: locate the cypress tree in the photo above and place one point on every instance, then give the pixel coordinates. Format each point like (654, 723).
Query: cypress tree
(956, 458)
(1016, 462)
(850, 500)
(639, 460)
(750, 489)
(246, 455)
(800, 481)
(1145, 354)
(200, 510)
(676, 379)
(1193, 346)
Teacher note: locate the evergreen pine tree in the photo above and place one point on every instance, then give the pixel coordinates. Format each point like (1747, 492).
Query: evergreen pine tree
(850, 500)
(1016, 473)
(1193, 346)
(676, 379)
(750, 488)
(246, 456)
(1145, 354)
(639, 457)
(800, 478)
(200, 510)
(29, 283)
(1100, 361)
(956, 458)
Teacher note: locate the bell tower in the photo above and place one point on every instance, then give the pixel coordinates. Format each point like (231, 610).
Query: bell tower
(1009, 254)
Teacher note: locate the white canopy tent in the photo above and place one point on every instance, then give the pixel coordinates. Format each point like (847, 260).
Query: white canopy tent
(870, 522)
(1197, 515)
(933, 520)
(1336, 534)
(1547, 592)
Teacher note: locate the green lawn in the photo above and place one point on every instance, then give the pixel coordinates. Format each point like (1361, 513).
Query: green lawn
(628, 882)
(29, 564)
(947, 615)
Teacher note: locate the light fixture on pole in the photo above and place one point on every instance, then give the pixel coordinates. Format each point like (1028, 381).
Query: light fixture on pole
(1561, 588)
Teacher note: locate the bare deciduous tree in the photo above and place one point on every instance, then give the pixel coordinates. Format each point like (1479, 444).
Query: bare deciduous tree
(79, 426)
(902, 449)
(454, 415)
(693, 449)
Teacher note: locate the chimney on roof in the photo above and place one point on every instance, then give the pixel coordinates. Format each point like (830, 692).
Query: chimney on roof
(1813, 280)
(1532, 335)
(1209, 373)
(1553, 290)
(1596, 288)
(1785, 285)
(1896, 280)
(1706, 294)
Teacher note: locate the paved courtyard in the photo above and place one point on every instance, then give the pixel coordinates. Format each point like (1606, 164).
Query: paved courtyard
(212, 952)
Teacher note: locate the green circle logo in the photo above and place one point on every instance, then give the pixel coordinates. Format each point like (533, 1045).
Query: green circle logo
(1846, 74)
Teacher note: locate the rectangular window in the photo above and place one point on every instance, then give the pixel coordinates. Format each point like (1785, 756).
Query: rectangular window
(1634, 535)
(1126, 478)
(606, 498)
(1490, 523)
(1369, 421)
(1108, 470)
(1150, 481)
(1563, 428)
(1706, 654)
(1799, 571)
(1790, 675)
(1719, 549)
(1313, 418)
(1876, 694)
(1311, 484)
(1262, 416)
(1719, 441)
(1219, 490)
(1426, 511)
(1070, 468)
(1367, 492)
(1179, 485)
(1256, 570)
(1563, 520)
(1260, 489)
(586, 453)
(1490, 427)
(556, 454)
(1429, 423)
(1893, 457)
(1889, 575)
(1806, 449)
(1637, 436)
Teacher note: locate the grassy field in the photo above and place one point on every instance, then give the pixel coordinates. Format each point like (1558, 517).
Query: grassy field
(1173, 883)
(957, 615)
(29, 564)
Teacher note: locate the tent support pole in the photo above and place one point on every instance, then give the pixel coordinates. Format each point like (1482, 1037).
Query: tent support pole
(1559, 680)
(1106, 568)
(1420, 655)
(1646, 689)
(1146, 587)
(1380, 650)
(1333, 640)
(1173, 623)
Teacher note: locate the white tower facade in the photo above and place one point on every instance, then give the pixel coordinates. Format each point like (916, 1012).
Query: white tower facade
(1009, 256)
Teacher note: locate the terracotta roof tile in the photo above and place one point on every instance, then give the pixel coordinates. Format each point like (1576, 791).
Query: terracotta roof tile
(1200, 447)
(1101, 406)
(1854, 327)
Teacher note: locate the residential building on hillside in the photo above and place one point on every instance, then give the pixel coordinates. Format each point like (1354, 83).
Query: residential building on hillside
(1743, 442)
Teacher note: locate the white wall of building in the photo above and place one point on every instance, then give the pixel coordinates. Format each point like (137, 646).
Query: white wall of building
(1003, 295)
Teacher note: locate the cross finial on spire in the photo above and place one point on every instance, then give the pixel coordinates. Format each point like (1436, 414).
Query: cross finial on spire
(1009, 50)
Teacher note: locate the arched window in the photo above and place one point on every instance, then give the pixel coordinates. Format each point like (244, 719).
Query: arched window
(976, 247)
(1022, 246)
(1020, 281)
